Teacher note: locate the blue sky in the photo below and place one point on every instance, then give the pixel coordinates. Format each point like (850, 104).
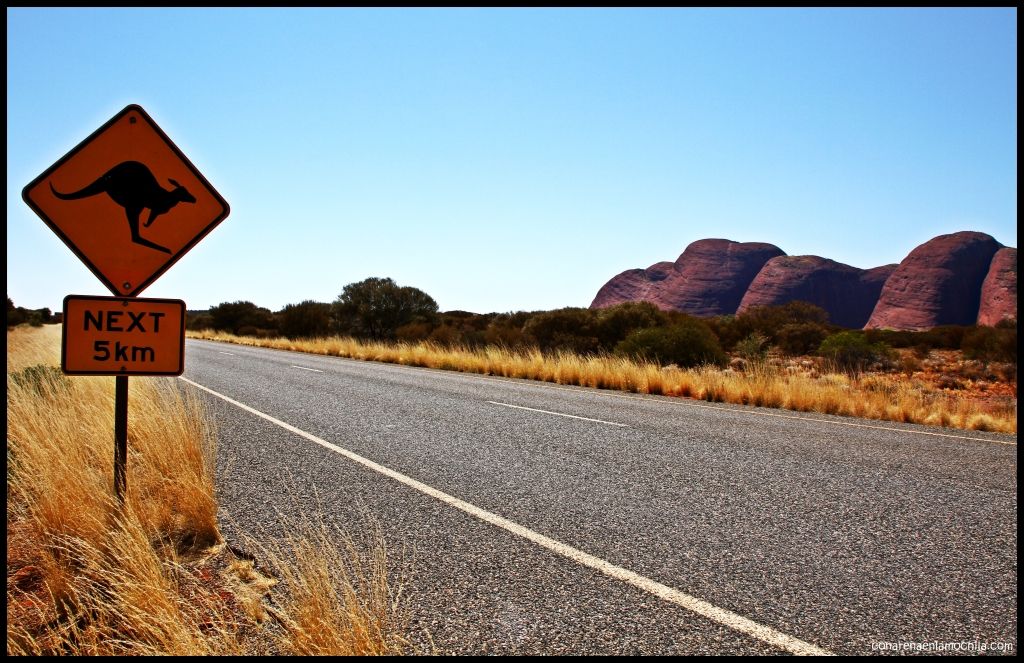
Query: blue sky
(517, 159)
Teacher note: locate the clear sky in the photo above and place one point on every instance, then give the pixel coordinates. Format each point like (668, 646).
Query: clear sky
(517, 159)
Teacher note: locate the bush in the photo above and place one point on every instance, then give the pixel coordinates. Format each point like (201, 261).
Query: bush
(615, 323)
(16, 315)
(987, 344)
(687, 343)
(728, 331)
(801, 338)
(799, 319)
(308, 319)
(242, 318)
(943, 337)
(572, 329)
(198, 321)
(463, 328)
(506, 330)
(753, 348)
(445, 335)
(414, 332)
(853, 352)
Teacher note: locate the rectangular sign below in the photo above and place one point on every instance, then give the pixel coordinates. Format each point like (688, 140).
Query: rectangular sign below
(123, 336)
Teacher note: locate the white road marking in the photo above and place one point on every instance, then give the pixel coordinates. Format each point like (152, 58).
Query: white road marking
(303, 368)
(720, 615)
(226, 353)
(672, 401)
(559, 414)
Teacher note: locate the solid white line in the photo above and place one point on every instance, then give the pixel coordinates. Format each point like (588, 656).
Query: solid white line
(303, 368)
(571, 416)
(703, 608)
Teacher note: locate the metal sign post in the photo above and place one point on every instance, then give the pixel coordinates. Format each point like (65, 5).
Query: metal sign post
(120, 437)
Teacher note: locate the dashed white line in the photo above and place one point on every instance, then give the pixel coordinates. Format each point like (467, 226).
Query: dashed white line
(722, 616)
(558, 414)
(663, 400)
(303, 368)
(231, 354)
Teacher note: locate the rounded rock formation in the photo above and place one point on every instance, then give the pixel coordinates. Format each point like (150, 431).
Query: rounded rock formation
(709, 278)
(846, 293)
(939, 283)
(999, 290)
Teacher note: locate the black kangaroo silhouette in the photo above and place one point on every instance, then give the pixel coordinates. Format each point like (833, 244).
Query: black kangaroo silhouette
(131, 185)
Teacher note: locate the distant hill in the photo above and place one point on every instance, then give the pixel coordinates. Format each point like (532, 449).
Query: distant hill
(963, 278)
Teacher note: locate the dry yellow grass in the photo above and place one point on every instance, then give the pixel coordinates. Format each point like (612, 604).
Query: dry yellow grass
(88, 577)
(890, 398)
(338, 599)
(110, 574)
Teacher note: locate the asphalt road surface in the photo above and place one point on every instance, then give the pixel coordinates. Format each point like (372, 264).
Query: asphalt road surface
(533, 518)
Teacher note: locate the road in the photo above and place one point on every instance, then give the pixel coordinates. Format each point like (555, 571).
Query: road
(535, 518)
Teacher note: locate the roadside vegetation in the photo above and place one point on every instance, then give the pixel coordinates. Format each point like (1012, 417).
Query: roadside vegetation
(787, 357)
(17, 315)
(86, 576)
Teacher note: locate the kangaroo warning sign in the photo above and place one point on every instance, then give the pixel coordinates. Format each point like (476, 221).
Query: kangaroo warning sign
(127, 201)
(123, 336)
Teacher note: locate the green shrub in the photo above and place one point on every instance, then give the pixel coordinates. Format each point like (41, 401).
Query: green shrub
(615, 323)
(728, 331)
(308, 319)
(506, 330)
(462, 328)
(991, 344)
(687, 343)
(798, 317)
(753, 348)
(198, 321)
(853, 352)
(243, 318)
(572, 329)
(801, 338)
(445, 335)
(414, 332)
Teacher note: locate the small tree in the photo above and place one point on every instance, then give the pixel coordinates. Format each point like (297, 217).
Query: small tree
(376, 307)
